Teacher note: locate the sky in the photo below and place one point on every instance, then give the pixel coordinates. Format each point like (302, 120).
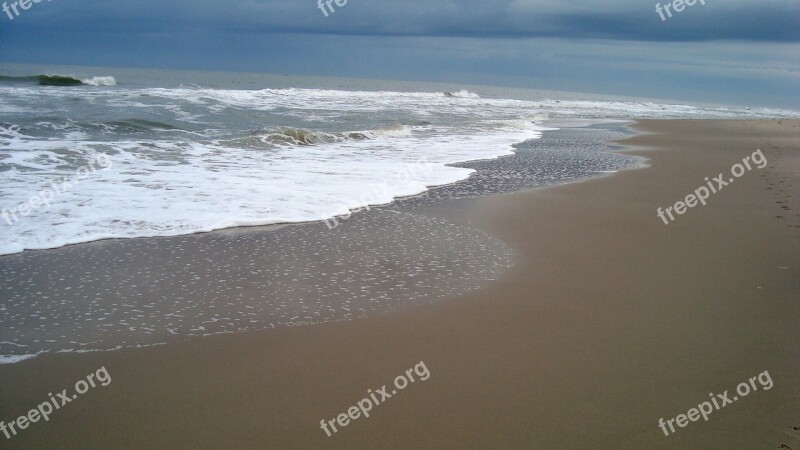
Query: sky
(741, 52)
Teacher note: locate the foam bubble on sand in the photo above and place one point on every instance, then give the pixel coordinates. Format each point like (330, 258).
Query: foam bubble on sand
(13, 359)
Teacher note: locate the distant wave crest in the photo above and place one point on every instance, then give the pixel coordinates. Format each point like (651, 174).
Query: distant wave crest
(100, 81)
(462, 94)
(61, 80)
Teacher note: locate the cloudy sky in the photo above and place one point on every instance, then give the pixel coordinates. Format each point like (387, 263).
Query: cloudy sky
(726, 51)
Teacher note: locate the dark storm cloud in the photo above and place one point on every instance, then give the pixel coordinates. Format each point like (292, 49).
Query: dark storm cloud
(755, 20)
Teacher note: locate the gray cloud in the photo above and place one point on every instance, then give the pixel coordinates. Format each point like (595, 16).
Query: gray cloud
(757, 20)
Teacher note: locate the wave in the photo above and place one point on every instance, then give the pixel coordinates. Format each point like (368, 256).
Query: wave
(139, 125)
(462, 94)
(302, 137)
(100, 81)
(61, 80)
(45, 80)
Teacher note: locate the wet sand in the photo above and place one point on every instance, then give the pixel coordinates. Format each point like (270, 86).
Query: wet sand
(608, 321)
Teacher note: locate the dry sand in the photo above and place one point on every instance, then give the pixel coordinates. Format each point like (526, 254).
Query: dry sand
(609, 321)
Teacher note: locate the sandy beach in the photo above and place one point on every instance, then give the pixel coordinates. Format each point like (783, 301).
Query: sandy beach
(608, 321)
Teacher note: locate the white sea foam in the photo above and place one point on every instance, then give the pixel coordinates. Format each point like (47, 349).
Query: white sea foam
(213, 186)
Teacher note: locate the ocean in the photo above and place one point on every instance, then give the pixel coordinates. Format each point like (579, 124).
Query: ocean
(188, 152)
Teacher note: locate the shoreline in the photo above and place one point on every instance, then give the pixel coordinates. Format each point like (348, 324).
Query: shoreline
(608, 321)
(531, 166)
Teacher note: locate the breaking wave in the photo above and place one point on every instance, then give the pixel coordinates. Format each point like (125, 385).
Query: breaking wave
(462, 94)
(60, 80)
(288, 136)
